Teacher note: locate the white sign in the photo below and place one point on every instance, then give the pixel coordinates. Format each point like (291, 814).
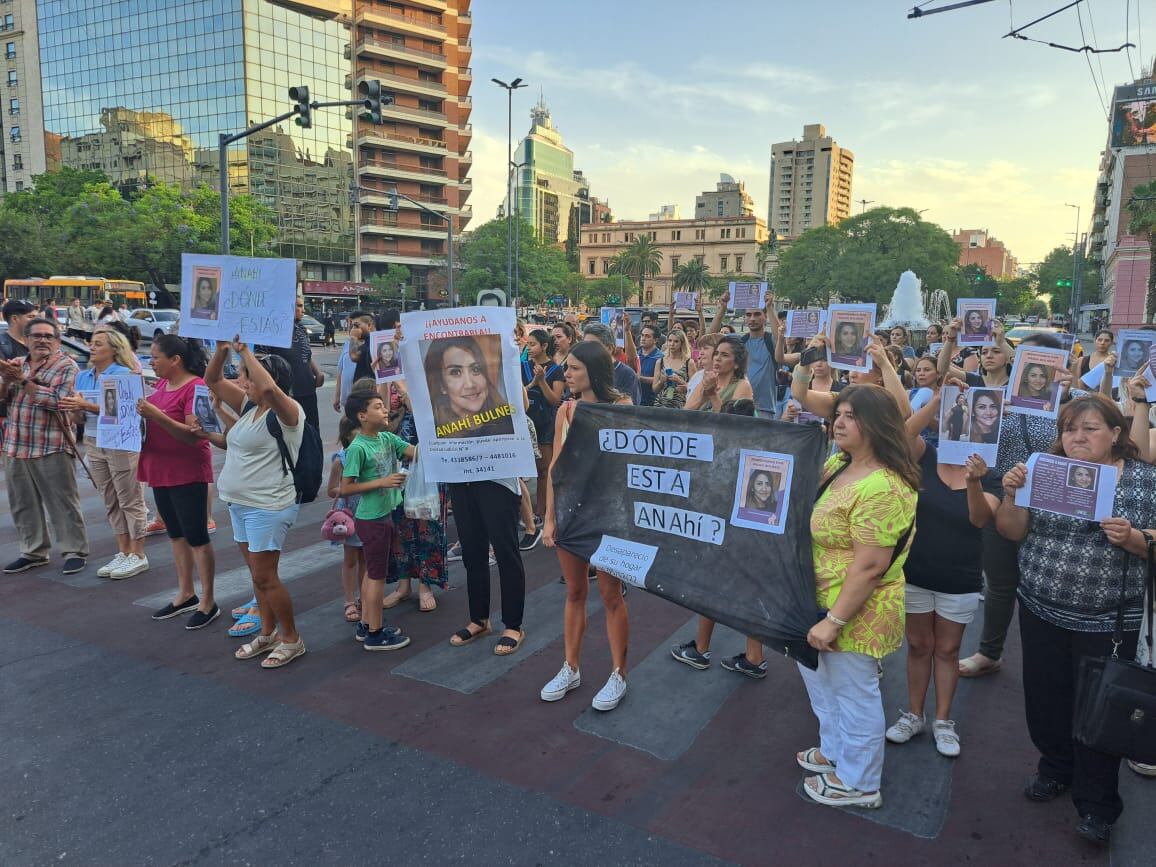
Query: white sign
(763, 491)
(680, 522)
(118, 426)
(625, 560)
(465, 387)
(849, 329)
(384, 354)
(1069, 487)
(658, 480)
(657, 444)
(969, 424)
(222, 296)
(747, 296)
(686, 300)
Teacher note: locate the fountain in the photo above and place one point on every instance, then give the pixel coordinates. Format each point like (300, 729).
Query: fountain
(906, 307)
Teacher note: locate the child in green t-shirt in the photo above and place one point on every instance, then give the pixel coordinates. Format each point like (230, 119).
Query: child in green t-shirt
(372, 470)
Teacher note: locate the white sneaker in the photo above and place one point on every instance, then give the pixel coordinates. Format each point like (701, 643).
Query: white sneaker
(132, 565)
(1142, 769)
(906, 727)
(116, 562)
(564, 681)
(493, 559)
(946, 740)
(454, 553)
(610, 695)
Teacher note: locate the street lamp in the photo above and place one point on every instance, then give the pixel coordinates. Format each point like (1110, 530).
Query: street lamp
(510, 88)
(517, 167)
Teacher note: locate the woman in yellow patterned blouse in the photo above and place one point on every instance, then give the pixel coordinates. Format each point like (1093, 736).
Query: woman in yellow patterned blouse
(861, 528)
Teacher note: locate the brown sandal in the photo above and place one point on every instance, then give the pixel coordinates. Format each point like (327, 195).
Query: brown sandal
(465, 636)
(507, 645)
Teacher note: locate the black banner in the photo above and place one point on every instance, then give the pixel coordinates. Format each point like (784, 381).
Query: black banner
(709, 511)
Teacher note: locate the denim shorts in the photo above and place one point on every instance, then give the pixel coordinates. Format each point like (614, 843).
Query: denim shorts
(262, 529)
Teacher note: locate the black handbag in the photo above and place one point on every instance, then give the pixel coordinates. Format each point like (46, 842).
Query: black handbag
(1115, 709)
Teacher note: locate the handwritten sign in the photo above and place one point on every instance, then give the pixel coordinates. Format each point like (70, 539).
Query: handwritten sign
(222, 296)
(122, 430)
(625, 560)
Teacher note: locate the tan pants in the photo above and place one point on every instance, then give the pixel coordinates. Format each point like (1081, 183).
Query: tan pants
(36, 485)
(114, 472)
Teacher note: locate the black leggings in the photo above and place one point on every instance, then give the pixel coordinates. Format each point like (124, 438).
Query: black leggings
(184, 509)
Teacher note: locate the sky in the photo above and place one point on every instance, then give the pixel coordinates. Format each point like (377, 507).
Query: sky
(656, 99)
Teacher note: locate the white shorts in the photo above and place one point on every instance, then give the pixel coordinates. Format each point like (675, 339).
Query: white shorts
(956, 607)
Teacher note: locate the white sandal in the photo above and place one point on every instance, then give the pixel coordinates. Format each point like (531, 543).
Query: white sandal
(260, 644)
(283, 654)
(977, 665)
(838, 795)
(807, 762)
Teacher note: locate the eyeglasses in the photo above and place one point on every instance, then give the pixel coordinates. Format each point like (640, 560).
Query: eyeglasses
(42, 336)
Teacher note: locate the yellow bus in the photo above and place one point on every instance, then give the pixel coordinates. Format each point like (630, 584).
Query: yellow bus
(90, 290)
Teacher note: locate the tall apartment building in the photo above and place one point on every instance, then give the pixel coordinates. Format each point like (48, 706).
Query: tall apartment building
(22, 152)
(980, 247)
(728, 245)
(420, 50)
(810, 183)
(729, 199)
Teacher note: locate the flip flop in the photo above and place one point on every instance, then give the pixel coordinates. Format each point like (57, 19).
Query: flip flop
(241, 610)
(507, 645)
(394, 599)
(978, 665)
(247, 624)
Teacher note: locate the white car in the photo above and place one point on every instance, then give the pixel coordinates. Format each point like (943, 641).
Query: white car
(151, 324)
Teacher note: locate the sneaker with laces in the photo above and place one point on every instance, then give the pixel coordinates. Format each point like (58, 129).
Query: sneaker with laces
(130, 566)
(741, 665)
(906, 727)
(362, 631)
(946, 738)
(105, 571)
(1142, 769)
(688, 653)
(611, 694)
(564, 681)
(155, 527)
(383, 640)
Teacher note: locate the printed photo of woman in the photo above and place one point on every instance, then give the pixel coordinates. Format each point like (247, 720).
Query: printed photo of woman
(1082, 477)
(761, 501)
(206, 294)
(387, 363)
(849, 346)
(1035, 386)
(956, 419)
(1133, 358)
(467, 394)
(986, 414)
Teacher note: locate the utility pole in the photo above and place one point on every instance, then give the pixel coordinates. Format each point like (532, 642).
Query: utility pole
(510, 88)
(1075, 269)
(865, 203)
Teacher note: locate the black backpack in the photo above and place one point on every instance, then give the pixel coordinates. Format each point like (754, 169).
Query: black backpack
(310, 457)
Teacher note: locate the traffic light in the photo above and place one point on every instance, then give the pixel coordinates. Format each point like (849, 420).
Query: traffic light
(978, 278)
(300, 95)
(392, 206)
(370, 90)
(1063, 283)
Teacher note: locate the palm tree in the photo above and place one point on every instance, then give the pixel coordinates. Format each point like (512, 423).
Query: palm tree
(1142, 208)
(640, 260)
(692, 276)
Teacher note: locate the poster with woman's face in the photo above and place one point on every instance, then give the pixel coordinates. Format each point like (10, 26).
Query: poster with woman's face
(614, 318)
(203, 409)
(386, 358)
(969, 424)
(849, 330)
(464, 376)
(1133, 348)
(109, 413)
(762, 491)
(1034, 388)
(206, 293)
(804, 324)
(977, 317)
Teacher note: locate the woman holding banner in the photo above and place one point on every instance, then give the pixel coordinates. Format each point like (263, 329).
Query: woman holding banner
(862, 520)
(114, 471)
(590, 377)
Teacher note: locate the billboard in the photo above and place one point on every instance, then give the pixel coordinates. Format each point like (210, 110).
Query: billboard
(1134, 116)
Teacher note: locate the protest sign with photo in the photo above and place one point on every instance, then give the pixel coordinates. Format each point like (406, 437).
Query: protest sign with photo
(969, 424)
(386, 358)
(747, 296)
(686, 300)
(642, 492)
(203, 410)
(849, 331)
(805, 324)
(1133, 350)
(122, 429)
(1068, 487)
(977, 316)
(465, 387)
(1034, 387)
(614, 318)
(223, 296)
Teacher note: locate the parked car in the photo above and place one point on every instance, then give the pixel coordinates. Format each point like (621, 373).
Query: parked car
(79, 352)
(153, 323)
(314, 329)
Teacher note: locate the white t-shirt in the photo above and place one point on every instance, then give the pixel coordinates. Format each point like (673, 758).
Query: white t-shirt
(694, 381)
(252, 475)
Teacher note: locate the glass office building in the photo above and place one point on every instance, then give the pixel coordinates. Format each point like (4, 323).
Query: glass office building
(141, 89)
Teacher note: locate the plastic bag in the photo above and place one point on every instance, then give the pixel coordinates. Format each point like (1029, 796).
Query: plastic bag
(421, 496)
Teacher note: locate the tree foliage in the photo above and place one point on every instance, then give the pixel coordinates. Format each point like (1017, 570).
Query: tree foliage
(692, 276)
(392, 287)
(640, 260)
(542, 268)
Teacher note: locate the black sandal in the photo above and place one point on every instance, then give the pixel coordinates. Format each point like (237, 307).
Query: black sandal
(464, 636)
(506, 645)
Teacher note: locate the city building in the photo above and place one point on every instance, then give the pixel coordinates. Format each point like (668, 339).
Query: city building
(810, 183)
(729, 199)
(549, 193)
(420, 51)
(22, 147)
(728, 245)
(979, 247)
(666, 212)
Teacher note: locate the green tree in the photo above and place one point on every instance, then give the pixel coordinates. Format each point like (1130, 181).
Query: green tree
(22, 251)
(602, 292)
(692, 276)
(1054, 270)
(252, 224)
(542, 268)
(1015, 296)
(640, 260)
(1142, 222)
(392, 288)
(804, 273)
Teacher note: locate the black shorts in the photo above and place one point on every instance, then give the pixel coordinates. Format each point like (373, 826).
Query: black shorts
(184, 509)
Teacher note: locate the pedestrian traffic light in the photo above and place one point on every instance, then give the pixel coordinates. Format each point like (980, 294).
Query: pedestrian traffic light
(300, 95)
(370, 90)
(392, 206)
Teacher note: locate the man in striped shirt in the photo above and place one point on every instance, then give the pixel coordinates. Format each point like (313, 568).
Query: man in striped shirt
(39, 462)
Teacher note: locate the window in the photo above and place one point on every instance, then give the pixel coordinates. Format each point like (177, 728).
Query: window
(719, 208)
(14, 133)
(605, 266)
(20, 186)
(722, 263)
(674, 260)
(12, 78)
(724, 233)
(10, 50)
(14, 106)
(740, 233)
(676, 236)
(605, 237)
(739, 264)
(654, 236)
(590, 267)
(17, 161)
(8, 22)
(700, 234)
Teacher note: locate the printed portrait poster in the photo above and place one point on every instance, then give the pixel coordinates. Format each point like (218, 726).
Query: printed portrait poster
(1068, 487)
(386, 357)
(977, 316)
(763, 491)
(805, 324)
(969, 424)
(123, 430)
(614, 318)
(223, 296)
(849, 331)
(204, 411)
(1133, 351)
(465, 387)
(686, 300)
(747, 296)
(1034, 387)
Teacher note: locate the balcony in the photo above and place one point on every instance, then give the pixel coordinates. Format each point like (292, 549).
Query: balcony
(382, 138)
(414, 85)
(402, 171)
(428, 25)
(412, 114)
(466, 158)
(394, 51)
(466, 73)
(375, 197)
(389, 225)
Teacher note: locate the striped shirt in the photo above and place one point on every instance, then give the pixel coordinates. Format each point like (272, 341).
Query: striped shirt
(31, 431)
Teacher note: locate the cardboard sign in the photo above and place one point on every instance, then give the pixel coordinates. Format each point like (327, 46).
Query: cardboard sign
(223, 296)
(119, 424)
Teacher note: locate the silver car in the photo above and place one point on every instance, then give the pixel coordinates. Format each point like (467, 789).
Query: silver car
(151, 324)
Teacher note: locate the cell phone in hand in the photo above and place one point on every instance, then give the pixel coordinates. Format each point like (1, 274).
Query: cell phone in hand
(811, 354)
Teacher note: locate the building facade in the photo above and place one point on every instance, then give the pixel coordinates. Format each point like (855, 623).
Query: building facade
(420, 51)
(979, 247)
(22, 146)
(728, 245)
(729, 199)
(810, 183)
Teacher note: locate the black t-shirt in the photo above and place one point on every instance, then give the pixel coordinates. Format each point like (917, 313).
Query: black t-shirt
(947, 554)
(540, 411)
(298, 355)
(10, 348)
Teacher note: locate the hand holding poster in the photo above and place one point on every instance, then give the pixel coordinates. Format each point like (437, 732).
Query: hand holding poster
(969, 424)
(1133, 349)
(686, 300)
(747, 296)
(222, 296)
(614, 318)
(805, 324)
(1034, 387)
(386, 358)
(119, 425)
(1068, 487)
(977, 316)
(849, 330)
(203, 410)
(465, 388)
